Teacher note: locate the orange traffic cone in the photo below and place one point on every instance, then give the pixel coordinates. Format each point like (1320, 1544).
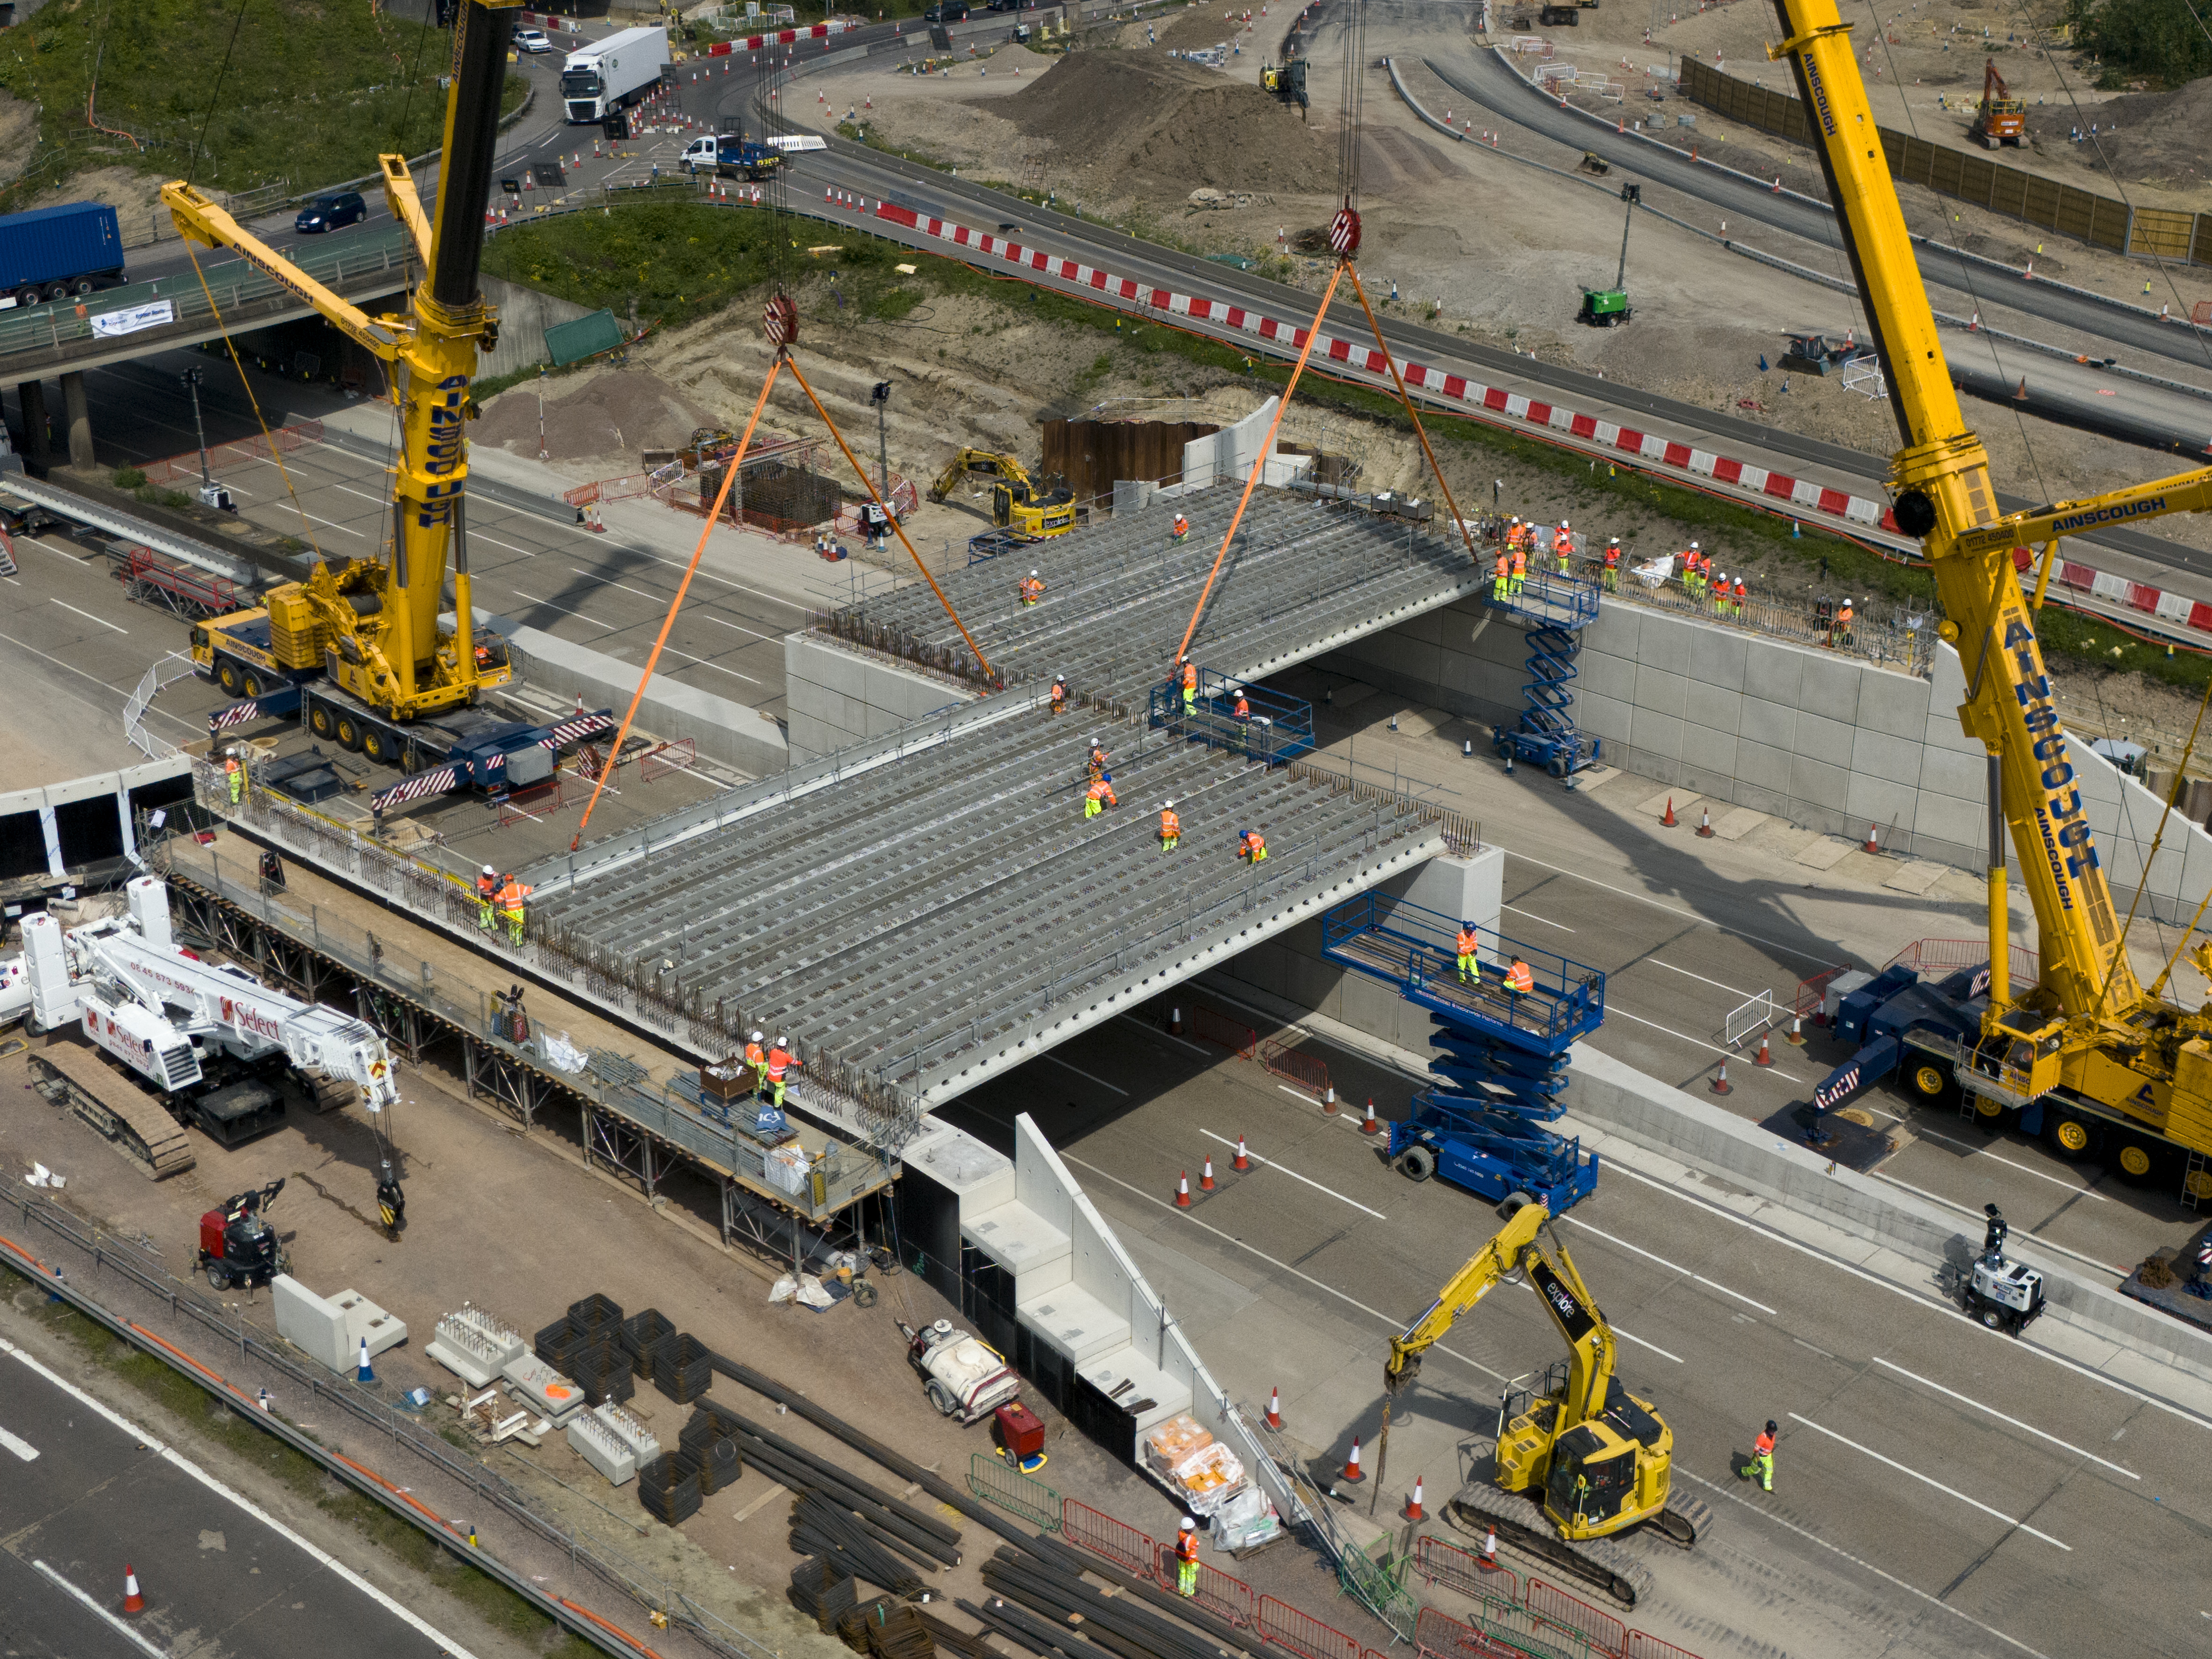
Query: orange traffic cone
(1762, 1058)
(2020, 396)
(1205, 1177)
(1240, 1162)
(1706, 825)
(1182, 1191)
(1666, 818)
(1872, 845)
(1274, 1409)
(1720, 1085)
(1413, 1511)
(1352, 1474)
(133, 1601)
(1175, 1022)
(1796, 1037)
(1368, 1125)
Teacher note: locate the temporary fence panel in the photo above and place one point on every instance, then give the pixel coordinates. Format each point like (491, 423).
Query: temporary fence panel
(1640, 1646)
(1239, 1040)
(1811, 992)
(1439, 1635)
(1748, 1019)
(1117, 1541)
(996, 1481)
(1554, 1606)
(1223, 1596)
(1301, 1633)
(1307, 1071)
(537, 803)
(1933, 958)
(664, 758)
(1464, 1570)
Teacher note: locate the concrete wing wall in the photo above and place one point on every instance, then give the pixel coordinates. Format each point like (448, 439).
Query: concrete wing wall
(834, 695)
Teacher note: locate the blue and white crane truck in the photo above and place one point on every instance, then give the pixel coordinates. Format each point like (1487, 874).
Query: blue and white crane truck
(460, 748)
(55, 252)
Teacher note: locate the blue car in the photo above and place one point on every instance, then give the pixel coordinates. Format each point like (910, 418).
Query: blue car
(329, 212)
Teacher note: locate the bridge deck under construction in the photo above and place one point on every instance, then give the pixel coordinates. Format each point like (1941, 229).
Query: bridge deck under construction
(927, 907)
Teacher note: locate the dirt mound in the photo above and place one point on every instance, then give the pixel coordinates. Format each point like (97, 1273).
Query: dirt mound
(1178, 125)
(612, 414)
(2159, 137)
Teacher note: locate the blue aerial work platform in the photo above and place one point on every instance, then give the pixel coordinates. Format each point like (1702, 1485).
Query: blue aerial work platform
(1503, 1073)
(1557, 610)
(1274, 729)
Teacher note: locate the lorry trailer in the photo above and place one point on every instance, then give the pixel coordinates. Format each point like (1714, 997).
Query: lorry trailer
(613, 74)
(49, 253)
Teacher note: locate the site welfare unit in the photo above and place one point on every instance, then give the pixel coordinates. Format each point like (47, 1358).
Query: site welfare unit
(613, 75)
(51, 253)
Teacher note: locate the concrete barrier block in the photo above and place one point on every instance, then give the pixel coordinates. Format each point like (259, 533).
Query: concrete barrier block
(1759, 797)
(1820, 784)
(600, 1447)
(1951, 819)
(1714, 708)
(310, 1323)
(1829, 741)
(1709, 759)
(1765, 721)
(1895, 705)
(1661, 692)
(1717, 658)
(1773, 671)
(1656, 734)
(1663, 641)
(1831, 687)
(1898, 760)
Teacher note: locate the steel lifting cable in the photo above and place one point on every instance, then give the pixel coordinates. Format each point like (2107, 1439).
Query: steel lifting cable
(1390, 362)
(722, 497)
(274, 454)
(2180, 772)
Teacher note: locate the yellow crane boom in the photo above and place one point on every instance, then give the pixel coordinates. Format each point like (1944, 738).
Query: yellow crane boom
(372, 623)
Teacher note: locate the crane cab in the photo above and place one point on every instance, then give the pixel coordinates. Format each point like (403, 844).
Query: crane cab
(2017, 1059)
(1605, 1474)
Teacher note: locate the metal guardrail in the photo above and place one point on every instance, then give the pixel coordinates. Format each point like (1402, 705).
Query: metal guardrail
(250, 1341)
(995, 1480)
(1566, 998)
(169, 670)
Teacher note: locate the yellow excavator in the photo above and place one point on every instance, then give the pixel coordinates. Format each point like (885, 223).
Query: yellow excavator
(2087, 1057)
(1596, 1460)
(1016, 503)
(371, 624)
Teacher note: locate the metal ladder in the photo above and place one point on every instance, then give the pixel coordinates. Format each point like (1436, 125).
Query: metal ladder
(1557, 609)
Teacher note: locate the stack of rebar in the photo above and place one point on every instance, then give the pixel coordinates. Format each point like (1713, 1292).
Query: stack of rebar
(950, 1638)
(819, 1527)
(717, 1464)
(888, 1630)
(824, 1591)
(669, 1492)
(595, 1313)
(644, 1339)
(682, 1368)
(553, 1341)
(1042, 1601)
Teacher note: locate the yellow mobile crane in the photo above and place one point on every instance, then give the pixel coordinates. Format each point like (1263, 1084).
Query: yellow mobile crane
(372, 624)
(1597, 1460)
(2088, 1057)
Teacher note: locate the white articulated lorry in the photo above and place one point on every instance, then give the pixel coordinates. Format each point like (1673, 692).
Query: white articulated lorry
(613, 74)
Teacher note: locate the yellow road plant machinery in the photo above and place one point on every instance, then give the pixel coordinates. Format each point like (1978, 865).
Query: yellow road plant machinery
(2087, 1056)
(1017, 503)
(1580, 1461)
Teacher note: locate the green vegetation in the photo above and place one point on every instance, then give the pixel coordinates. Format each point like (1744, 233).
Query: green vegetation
(2154, 40)
(491, 1601)
(281, 90)
(128, 478)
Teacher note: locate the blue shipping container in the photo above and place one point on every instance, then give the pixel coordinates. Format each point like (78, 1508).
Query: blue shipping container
(77, 242)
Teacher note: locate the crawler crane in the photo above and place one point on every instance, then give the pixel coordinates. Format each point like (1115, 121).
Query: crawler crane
(2088, 1055)
(1595, 1459)
(372, 624)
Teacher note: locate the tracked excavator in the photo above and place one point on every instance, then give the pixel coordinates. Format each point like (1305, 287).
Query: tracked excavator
(1016, 503)
(2087, 1056)
(1578, 1462)
(2001, 118)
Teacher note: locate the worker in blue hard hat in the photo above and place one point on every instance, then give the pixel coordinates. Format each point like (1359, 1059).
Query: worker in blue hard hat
(1252, 847)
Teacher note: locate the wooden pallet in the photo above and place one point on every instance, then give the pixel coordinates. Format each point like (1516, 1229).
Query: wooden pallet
(134, 1122)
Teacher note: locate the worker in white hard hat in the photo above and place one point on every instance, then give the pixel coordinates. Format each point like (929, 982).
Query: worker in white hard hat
(1170, 827)
(1563, 543)
(1187, 1557)
(756, 1057)
(487, 893)
(780, 1060)
(1060, 692)
(1094, 768)
(1032, 588)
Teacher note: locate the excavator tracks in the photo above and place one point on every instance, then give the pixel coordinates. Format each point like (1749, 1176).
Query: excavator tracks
(132, 1121)
(1599, 1562)
(1683, 1521)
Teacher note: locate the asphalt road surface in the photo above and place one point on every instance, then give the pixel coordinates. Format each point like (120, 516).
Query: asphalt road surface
(83, 1495)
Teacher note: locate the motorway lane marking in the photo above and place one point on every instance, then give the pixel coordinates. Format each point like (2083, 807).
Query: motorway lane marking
(169, 1454)
(605, 581)
(100, 1613)
(1285, 1170)
(754, 632)
(716, 667)
(1863, 1564)
(1951, 1203)
(1687, 915)
(1700, 978)
(1929, 1302)
(22, 1449)
(1927, 1480)
(1641, 1343)
(88, 615)
(1654, 1256)
(1080, 1072)
(1533, 916)
(1615, 1008)
(1299, 1094)
(479, 536)
(1968, 1399)
(1984, 1152)
(333, 524)
(381, 501)
(565, 611)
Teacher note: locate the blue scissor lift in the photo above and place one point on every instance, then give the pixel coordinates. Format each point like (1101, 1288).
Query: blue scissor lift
(1504, 1072)
(1557, 609)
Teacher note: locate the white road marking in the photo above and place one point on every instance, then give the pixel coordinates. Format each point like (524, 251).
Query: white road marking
(1533, 916)
(1700, 978)
(1297, 1094)
(334, 523)
(2025, 1343)
(22, 1449)
(88, 616)
(565, 611)
(1654, 1256)
(1629, 1337)
(1951, 1203)
(1984, 1152)
(169, 1454)
(756, 633)
(716, 667)
(100, 1612)
(1968, 1399)
(381, 501)
(1672, 910)
(479, 536)
(605, 582)
(1906, 1468)
(1773, 1519)
(1615, 1007)
(1087, 1076)
(1283, 1170)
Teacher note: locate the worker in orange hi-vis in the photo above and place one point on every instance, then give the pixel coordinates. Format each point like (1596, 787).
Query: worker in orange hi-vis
(1563, 543)
(1032, 589)
(1100, 796)
(1059, 694)
(780, 1060)
(1170, 827)
(756, 1058)
(1094, 768)
(1189, 686)
(1518, 979)
(1252, 847)
(511, 895)
(1520, 571)
(1500, 574)
(1181, 528)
